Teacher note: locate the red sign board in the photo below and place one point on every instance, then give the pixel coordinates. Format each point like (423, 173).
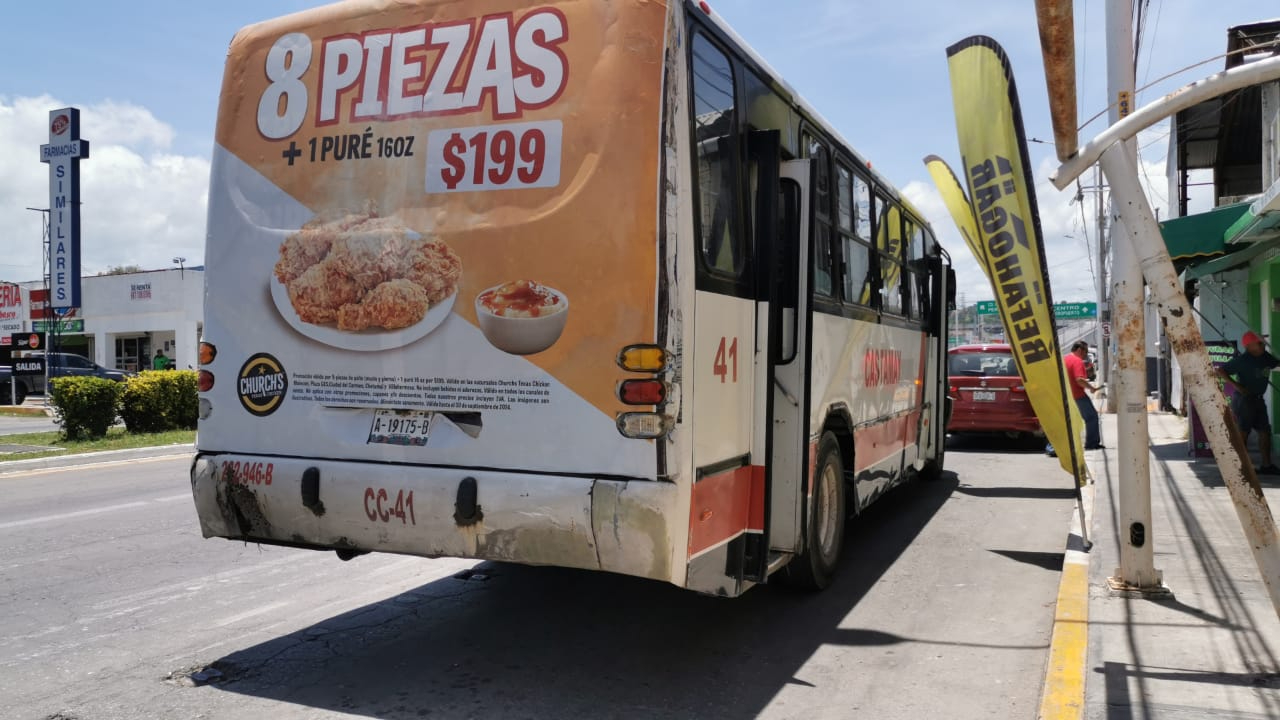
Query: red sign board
(40, 309)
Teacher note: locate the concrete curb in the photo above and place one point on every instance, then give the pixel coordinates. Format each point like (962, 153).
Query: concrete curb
(1063, 696)
(61, 461)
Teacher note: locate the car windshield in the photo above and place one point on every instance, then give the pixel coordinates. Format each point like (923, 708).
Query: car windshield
(981, 364)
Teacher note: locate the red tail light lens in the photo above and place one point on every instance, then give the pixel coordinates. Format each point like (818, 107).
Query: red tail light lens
(204, 381)
(207, 353)
(642, 392)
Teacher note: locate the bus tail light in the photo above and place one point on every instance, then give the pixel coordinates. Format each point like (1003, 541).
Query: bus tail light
(207, 353)
(643, 425)
(642, 358)
(204, 381)
(642, 392)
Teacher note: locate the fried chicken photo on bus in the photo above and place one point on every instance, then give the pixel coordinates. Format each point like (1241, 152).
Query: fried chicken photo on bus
(361, 271)
(321, 291)
(312, 242)
(392, 305)
(435, 267)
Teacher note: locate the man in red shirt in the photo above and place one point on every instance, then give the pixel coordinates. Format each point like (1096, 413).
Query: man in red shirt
(1078, 380)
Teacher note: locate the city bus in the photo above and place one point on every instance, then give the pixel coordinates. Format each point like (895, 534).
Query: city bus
(581, 284)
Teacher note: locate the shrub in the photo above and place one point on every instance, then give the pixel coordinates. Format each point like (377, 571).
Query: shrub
(86, 406)
(159, 400)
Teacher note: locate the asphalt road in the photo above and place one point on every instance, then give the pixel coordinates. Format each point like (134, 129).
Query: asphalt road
(108, 597)
(11, 425)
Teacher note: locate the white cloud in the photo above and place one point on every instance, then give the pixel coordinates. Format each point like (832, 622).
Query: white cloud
(140, 204)
(1070, 231)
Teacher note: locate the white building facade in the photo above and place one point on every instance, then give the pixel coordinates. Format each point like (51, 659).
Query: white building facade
(125, 319)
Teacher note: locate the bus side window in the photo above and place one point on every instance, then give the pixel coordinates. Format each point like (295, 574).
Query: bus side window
(715, 137)
(889, 247)
(855, 195)
(823, 252)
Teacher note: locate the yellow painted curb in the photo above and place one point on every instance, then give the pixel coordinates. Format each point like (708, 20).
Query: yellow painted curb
(1069, 648)
(1064, 679)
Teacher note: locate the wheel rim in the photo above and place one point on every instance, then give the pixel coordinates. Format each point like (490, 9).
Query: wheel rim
(826, 510)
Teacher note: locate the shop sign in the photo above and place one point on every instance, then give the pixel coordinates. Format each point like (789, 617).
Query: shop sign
(10, 311)
(63, 153)
(64, 326)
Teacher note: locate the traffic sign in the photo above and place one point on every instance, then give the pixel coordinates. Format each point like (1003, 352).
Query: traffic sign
(1075, 311)
(1106, 329)
(1061, 311)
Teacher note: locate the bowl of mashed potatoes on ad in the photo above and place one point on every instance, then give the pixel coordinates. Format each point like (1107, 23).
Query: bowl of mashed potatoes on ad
(522, 317)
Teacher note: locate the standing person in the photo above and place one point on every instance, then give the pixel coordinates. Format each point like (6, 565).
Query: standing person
(1252, 370)
(1078, 379)
(161, 362)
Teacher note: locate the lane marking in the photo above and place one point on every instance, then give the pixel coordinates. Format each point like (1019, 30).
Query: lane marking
(92, 511)
(1064, 682)
(6, 474)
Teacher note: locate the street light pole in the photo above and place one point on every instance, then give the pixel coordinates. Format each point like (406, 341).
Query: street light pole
(1137, 562)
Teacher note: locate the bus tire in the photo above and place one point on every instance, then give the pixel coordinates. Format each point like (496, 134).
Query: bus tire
(814, 568)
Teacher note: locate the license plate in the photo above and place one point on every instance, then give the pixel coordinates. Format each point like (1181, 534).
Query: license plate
(400, 427)
(984, 395)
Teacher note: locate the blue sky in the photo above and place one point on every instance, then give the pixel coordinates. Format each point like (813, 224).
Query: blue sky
(147, 74)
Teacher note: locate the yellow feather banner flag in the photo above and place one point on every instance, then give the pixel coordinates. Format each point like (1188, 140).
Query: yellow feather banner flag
(1001, 224)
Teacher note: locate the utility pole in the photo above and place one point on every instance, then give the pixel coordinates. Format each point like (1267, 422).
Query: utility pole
(1137, 562)
(1104, 304)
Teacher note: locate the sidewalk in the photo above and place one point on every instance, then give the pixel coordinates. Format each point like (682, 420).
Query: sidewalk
(1212, 650)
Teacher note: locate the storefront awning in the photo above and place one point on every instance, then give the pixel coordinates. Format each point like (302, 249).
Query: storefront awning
(1201, 236)
(1254, 232)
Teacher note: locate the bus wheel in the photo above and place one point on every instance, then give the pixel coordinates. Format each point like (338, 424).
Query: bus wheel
(824, 536)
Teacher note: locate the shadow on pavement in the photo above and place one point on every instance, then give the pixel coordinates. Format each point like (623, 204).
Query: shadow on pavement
(549, 642)
(994, 442)
(1025, 493)
(1047, 560)
(1206, 469)
(1223, 600)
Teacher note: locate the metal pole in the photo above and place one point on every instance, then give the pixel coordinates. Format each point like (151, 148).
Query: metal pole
(1228, 445)
(1104, 301)
(1137, 561)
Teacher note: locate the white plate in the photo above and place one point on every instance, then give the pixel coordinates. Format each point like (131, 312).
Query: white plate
(361, 340)
(984, 395)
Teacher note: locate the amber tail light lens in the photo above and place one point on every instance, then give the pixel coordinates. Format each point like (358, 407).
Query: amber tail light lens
(207, 353)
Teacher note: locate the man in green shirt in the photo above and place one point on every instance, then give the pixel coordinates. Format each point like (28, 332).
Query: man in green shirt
(161, 362)
(1250, 374)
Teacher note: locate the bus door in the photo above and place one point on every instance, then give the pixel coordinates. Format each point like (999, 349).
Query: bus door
(779, 219)
(789, 343)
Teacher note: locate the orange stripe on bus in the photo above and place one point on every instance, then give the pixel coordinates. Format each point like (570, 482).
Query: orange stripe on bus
(876, 443)
(726, 505)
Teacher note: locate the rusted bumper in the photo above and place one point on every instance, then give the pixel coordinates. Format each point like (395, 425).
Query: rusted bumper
(613, 525)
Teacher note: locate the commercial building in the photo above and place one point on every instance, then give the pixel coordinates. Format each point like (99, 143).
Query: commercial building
(124, 319)
(1230, 255)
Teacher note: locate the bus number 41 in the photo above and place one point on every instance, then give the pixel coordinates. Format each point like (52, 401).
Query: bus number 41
(725, 359)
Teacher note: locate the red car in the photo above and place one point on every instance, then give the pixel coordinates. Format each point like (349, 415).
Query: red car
(988, 392)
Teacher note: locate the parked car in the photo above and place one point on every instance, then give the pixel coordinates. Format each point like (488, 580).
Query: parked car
(7, 387)
(68, 365)
(989, 395)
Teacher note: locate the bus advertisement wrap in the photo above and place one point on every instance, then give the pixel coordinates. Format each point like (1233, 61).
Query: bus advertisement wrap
(432, 228)
(1005, 222)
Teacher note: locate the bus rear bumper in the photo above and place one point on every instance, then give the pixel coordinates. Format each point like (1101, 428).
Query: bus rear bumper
(536, 519)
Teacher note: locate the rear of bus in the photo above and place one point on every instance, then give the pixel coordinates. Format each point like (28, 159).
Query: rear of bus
(433, 230)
